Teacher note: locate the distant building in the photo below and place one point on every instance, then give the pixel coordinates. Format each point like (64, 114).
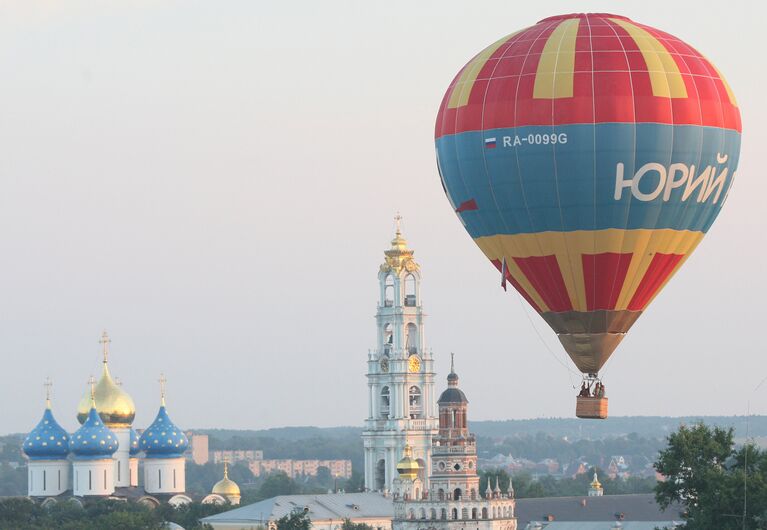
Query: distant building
(236, 455)
(327, 512)
(295, 468)
(198, 448)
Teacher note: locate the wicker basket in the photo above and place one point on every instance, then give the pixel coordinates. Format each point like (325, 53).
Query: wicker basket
(591, 407)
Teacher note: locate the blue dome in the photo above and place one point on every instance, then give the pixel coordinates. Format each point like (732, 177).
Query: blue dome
(93, 440)
(163, 439)
(47, 441)
(134, 448)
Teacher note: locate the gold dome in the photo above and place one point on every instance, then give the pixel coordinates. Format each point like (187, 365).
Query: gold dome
(399, 256)
(114, 405)
(226, 486)
(408, 467)
(595, 484)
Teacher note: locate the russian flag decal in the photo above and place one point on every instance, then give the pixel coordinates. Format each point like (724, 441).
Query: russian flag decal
(490, 142)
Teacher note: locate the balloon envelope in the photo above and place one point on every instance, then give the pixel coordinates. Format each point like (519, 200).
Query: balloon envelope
(587, 156)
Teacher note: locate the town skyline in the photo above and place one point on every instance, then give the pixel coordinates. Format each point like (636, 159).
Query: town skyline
(240, 257)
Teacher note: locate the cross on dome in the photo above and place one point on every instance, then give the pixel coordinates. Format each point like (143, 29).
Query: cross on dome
(104, 341)
(162, 382)
(48, 384)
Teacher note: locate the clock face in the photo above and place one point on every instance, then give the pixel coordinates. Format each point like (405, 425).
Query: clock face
(414, 364)
(385, 364)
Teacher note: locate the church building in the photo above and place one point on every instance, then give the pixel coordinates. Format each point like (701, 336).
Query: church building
(452, 501)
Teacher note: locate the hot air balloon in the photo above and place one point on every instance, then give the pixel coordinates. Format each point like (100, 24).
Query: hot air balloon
(587, 156)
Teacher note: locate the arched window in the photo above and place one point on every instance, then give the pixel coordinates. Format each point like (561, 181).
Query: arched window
(473, 513)
(388, 338)
(465, 513)
(415, 402)
(441, 495)
(411, 340)
(455, 513)
(444, 514)
(457, 494)
(410, 298)
(385, 402)
(381, 475)
(473, 491)
(389, 291)
(484, 513)
(423, 512)
(411, 514)
(433, 513)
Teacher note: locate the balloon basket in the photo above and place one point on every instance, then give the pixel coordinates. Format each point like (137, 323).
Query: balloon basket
(594, 408)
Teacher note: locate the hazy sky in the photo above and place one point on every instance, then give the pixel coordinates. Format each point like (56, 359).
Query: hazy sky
(214, 183)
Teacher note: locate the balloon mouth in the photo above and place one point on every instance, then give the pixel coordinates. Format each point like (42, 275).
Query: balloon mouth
(582, 15)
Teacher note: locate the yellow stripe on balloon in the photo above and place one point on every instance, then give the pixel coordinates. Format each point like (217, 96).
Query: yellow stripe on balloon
(570, 247)
(459, 97)
(555, 74)
(665, 79)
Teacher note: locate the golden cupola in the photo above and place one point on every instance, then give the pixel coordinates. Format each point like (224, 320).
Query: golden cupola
(399, 256)
(408, 467)
(226, 487)
(114, 405)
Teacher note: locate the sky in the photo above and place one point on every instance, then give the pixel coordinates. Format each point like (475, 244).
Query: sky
(214, 183)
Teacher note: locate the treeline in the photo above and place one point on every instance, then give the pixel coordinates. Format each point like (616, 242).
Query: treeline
(541, 446)
(23, 514)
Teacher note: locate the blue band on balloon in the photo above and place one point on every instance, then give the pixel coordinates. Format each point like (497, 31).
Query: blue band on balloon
(589, 177)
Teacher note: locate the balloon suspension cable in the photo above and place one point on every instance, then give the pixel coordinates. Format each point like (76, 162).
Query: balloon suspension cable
(570, 371)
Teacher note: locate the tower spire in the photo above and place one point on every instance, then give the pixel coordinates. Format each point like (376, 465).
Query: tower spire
(452, 363)
(104, 341)
(398, 221)
(48, 384)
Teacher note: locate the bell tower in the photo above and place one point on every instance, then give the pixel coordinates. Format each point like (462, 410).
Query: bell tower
(401, 400)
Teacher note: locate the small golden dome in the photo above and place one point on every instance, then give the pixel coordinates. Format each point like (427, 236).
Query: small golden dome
(114, 405)
(226, 486)
(408, 467)
(595, 484)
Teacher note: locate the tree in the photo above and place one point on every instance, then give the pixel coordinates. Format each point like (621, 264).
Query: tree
(278, 484)
(297, 520)
(716, 485)
(349, 525)
(695, 457)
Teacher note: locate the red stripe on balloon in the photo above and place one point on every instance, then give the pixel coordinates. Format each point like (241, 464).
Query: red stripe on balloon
(521, 290)
(603, 277)
(660, 268)
(467, 206)
(544, 274)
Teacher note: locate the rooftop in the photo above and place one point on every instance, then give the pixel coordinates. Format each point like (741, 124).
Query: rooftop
(320, 507)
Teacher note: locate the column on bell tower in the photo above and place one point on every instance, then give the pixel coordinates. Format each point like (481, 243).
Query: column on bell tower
(401, 407)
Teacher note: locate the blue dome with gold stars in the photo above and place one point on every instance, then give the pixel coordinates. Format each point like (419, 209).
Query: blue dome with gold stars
(163, 439)
(94, 440)
(48, 440)
(134, 448)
